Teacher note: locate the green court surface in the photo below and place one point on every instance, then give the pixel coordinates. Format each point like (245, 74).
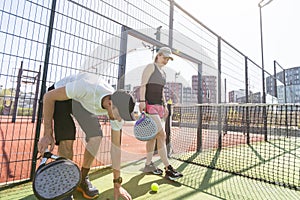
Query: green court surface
(275, 161)
(198, 183)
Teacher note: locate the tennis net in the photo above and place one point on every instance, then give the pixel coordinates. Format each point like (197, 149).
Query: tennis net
(258, 141)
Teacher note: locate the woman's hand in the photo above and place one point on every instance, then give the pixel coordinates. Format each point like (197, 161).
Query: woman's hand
(142, 106)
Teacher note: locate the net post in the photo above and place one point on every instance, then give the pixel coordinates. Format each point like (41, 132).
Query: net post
(199, 110)
(265, 128)
(199, 128)
(168, 128)
(248, 124)
(220, 127)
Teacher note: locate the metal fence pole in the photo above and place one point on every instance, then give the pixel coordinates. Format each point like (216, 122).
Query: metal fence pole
(43, 90)
(17, 95)
(219, 95)
(275, 81)
(247, 100)
(122, 58)
(37, 88)
(171, 22)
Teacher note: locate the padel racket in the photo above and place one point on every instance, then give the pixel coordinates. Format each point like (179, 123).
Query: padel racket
(145, 128)
(56, 179)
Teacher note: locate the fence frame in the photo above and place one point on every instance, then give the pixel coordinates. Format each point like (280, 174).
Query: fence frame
(127, 30)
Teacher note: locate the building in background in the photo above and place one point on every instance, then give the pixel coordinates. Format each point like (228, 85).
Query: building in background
(189, 96)
(239, 96)
(179, 94)
(234, 95)
(173, 91)
(209, 88)
(288, 91)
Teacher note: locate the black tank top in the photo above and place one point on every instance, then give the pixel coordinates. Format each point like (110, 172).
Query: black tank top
(154, 87)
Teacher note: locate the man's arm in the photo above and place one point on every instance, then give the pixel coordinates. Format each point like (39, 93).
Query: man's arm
(49, 99)
(119, 191)
(116, 152)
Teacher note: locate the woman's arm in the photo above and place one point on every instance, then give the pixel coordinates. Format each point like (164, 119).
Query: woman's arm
(145, 78)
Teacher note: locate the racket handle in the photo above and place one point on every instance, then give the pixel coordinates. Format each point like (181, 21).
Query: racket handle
(141, 119)
(47, 155)
(44, 160)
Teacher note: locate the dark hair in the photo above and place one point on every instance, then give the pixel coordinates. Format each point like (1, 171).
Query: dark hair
(125, 104)
(157, 56)
(131, 105)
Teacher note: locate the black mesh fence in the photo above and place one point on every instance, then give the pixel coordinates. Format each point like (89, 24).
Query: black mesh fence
(234, 138)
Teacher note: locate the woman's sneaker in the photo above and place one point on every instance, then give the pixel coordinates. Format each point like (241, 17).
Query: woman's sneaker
(87, 189)
(151, 168)
(172, 174)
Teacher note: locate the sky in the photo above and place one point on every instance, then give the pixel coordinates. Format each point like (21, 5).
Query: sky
(238, 22)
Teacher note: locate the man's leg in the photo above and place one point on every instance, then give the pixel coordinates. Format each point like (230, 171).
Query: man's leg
(91, 150)
(91, 127)
(64, 129)
(86, 188)
(65, 149)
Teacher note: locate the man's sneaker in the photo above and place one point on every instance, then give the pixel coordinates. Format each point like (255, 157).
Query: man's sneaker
(172, 174)
(87, 189)
(152, 169)
(68, 198)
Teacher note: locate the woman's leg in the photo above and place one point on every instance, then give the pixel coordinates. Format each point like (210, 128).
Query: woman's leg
(161, 142)
(162, 147)
(150, 145)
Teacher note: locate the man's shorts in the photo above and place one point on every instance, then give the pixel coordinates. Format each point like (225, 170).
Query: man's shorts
(64, 126)
(155, 109)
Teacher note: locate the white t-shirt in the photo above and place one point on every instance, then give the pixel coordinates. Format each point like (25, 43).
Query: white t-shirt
(88, 89)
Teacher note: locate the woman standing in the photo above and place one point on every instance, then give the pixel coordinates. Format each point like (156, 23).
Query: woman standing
(152, 101)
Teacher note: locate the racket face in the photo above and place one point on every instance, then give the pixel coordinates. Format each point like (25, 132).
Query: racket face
(56, 179)
(145, 129)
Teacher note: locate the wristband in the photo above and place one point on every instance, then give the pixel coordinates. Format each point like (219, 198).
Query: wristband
(118, 180)
(142, 100)
(116, 125)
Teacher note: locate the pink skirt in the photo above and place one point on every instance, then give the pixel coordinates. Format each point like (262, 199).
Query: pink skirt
(156, 109)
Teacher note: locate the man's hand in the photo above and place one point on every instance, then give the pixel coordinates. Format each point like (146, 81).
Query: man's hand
(119, 191)
(45, 142)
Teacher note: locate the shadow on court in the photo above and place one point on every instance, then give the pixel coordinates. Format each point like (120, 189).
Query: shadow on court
(197, 183)
(138, 189)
